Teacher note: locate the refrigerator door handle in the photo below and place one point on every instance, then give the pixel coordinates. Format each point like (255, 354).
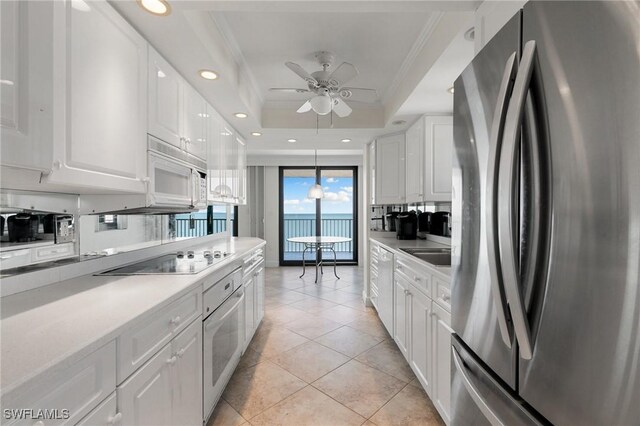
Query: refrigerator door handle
(473, 392)
(507, 182)
(497, 127)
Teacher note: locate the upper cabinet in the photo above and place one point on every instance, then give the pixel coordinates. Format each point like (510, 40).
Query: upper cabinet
(438, 163)
(74, 95)
(177, 112)
(415, 162)
(26, 85)
(390, 165)
(414, 167)
(226, 162)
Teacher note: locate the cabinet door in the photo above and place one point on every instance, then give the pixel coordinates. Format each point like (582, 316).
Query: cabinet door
(187, 383)
(386, 290)
(372, 172)
(401, 312)
(259, 283)
(26, 86)
(390, 165)
(249, 308)
(438, 158)
(414, 171)
(165, 100)
(145, 398)
(441, 353)
(104, 414)
(420, 337)
(194, 115)
(241, 161)
(215, 155)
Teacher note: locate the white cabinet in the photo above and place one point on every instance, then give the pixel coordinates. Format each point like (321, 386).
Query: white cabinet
(240, 189)
(249, 309)
(78, 387)
(420, 336)
(226, 162)
(401, 314)
(100, 99)
(105, 414)
(390, 165)
(187, 380)
(414, 170)
(165, 100)
(372, 172)
(167, 390)
(26, 85)
(259, 283)
(438, 160)
(385, 289)
(441, 355)
(194, 123)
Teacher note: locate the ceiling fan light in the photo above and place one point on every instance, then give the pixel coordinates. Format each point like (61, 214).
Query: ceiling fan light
(321, 104)
(315, 192)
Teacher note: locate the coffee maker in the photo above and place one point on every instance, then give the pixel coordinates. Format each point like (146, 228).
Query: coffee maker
(407, 226)
(424, 225)
(441, 224)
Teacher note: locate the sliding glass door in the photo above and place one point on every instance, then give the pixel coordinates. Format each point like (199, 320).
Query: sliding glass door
(334, 215)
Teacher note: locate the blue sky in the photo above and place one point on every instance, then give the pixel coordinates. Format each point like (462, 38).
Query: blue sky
(338, 193)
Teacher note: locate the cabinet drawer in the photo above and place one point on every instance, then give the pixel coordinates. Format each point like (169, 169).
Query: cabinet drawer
(104, 414)
(138, 344)
(414, 274)
(77, 388)
(374, 297)
(251, 262)
(441, 291)
(52, 252)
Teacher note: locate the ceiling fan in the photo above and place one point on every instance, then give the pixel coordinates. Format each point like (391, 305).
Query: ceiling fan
(329, 87)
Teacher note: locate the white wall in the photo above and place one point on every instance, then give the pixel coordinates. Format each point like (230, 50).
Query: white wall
(491, 17)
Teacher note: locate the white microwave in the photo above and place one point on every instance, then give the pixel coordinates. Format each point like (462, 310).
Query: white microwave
(176, 183)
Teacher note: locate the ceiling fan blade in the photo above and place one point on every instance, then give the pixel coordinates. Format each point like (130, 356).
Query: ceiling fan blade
(345, 72)
(301, 72)
(305, 107)
(341, 108)
(288, 89)
(358, 93)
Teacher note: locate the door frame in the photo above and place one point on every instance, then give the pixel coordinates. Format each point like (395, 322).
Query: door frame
(318, 169)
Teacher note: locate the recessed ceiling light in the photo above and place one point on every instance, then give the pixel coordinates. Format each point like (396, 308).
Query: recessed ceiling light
(256, 134)
(346, 140)
(450, 90)
(240, 115)
(201, 140)
(6, 82)
(292, 140)
(208, 74)
(161, 74)
(157, 7)
(398, 122)
(203, 115)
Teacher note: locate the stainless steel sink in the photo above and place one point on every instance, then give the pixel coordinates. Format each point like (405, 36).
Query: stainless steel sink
(435, 256)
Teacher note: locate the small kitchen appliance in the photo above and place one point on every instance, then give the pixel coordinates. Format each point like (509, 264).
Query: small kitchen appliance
(407, 226)
(424, 224)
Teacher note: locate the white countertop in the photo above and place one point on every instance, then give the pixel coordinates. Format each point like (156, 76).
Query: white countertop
(389, 240)
(58, 324)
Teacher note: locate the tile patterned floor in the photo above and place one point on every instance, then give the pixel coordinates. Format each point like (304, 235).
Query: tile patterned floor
(320, 357)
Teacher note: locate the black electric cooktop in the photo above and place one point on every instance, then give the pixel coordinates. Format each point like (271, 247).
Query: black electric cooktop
(179, 263)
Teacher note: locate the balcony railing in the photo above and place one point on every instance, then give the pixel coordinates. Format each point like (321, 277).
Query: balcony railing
(307, 227)
(198, 227)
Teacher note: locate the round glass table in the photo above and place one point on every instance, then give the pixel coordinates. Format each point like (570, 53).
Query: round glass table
(317, 244)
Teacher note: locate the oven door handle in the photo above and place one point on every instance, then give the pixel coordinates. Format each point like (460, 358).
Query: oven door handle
(213, 322)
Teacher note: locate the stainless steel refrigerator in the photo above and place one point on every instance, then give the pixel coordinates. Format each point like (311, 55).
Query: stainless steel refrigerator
(546, 220)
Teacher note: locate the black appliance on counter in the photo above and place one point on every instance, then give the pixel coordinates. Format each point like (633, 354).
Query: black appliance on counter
(22, 227)
(407, 226)
(391, 221)
(424, 224)
(441, 224)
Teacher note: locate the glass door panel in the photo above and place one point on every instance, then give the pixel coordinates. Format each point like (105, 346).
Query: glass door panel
(298, 213)
(337, 210)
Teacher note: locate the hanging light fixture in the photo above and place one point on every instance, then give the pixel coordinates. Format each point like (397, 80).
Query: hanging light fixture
(316, 190)
(321, 104)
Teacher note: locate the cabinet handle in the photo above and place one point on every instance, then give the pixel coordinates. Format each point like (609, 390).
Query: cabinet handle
(406, 292)
(181, 352)
(112, 420)
(172, 360)
(417, 279)
(175, 320)
(445, 297)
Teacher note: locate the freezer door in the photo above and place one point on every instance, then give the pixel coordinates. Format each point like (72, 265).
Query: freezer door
(477, 302)
(477, 398)
(585, 364)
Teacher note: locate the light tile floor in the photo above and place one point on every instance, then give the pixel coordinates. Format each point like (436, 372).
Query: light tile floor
(320, 357)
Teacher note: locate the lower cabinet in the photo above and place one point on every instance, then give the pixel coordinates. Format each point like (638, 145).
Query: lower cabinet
(259, 283)
(401, 312)
(104, 414)
(167, 390)
(420, 336)
(253, 301)
(441, 355)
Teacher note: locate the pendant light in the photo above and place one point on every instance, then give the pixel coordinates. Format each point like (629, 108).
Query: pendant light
(316, 190)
